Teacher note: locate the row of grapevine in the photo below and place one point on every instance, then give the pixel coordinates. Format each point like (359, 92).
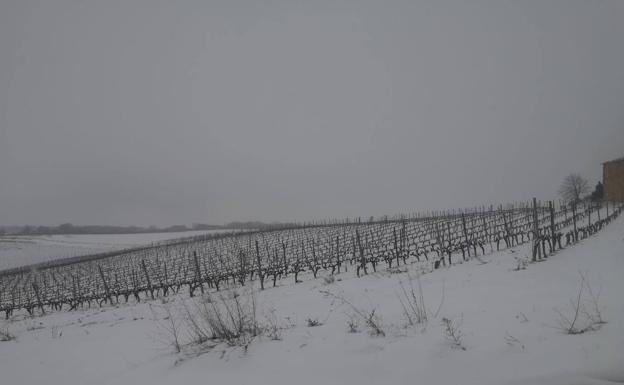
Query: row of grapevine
(213, 262)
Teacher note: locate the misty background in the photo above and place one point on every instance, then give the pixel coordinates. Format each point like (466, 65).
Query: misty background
(154, 112)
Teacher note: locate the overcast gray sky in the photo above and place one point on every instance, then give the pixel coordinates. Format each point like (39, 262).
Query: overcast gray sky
(160, 112)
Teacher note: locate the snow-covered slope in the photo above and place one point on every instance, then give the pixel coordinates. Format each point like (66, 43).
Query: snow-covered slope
(508, 319)
(22, 250)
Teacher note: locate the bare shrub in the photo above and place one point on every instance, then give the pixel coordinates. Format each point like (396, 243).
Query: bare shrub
(5, 335)
(224, 320)
(522, 317)
(169, 327)
(371, 320)
(352, 325)
(229, 318)
(329, 279)
(413, 303)
(56, 331)
(583, 314)
(272, 328)
(452, 332)
(513, 341)
(521, 263)
(569, 324)
(312, 322)
(374, 323)
(593, 310)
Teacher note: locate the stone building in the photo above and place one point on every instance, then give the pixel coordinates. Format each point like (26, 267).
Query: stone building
(613, 179)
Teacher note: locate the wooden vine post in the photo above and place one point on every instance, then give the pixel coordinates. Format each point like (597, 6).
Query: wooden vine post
(535, 231)
(463, 217)
(259, 266)
(106, 288)
(574, 221)
(553, 235)
(147, 278)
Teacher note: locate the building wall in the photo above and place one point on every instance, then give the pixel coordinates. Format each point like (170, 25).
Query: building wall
(613, 180)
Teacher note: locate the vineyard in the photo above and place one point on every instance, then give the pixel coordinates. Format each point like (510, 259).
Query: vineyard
(215, 261)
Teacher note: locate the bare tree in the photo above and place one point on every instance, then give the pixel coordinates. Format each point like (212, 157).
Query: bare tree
(573, 187)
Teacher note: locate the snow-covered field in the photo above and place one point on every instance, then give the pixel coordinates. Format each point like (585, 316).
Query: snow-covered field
(18, 251)
(507, 318)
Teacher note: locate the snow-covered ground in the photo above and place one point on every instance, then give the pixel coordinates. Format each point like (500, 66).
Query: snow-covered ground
(507, 318)
(18, 251)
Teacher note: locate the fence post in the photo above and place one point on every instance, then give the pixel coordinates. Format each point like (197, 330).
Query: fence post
(574, 221)
(258, 262)
(35, 287)
(599, 208)
(106, 289)
(553, 235)
(198, 277)
(465, 232)
(147, 278)
(535, 230)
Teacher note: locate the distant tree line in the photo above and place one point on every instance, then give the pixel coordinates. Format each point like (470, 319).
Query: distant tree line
(68, 228)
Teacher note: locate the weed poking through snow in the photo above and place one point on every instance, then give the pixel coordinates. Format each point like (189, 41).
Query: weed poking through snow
(371, 320)
(452, 332)
(584, 313)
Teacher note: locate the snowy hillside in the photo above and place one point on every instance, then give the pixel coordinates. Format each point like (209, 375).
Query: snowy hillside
(507, 322)
(24, 250)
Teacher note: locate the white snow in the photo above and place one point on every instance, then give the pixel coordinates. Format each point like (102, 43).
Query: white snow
(122, 344)
(24, 250)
